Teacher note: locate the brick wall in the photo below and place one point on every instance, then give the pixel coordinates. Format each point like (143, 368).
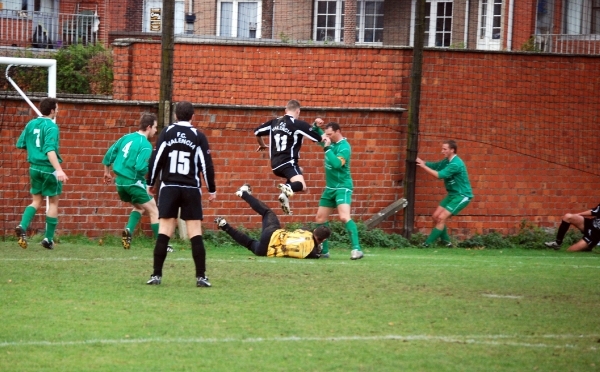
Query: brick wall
(293, 19)
(526, 126)
(206, 17)
(87, 130)
(264, 75)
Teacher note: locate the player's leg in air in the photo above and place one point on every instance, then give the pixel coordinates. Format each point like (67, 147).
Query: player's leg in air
(294, 183)
(270, 223)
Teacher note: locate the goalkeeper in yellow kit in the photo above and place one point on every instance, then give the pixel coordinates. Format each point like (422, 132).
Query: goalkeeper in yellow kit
(275, 241)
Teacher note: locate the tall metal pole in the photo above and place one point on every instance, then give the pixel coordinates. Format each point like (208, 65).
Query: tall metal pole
(165, 99)
(413, 120)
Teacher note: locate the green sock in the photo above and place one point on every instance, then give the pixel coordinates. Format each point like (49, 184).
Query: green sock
(325, 244)
(134, 218)
(445, 237)
(154, 228)
(353, 231)
(51, 223)
(27, 216)
(435, 234)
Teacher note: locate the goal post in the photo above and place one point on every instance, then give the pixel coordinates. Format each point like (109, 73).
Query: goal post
(32, 62)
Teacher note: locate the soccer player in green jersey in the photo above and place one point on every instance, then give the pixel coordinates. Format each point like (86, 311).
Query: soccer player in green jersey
(456, 179)
(338, 186)
(129, 159)
(41, 140)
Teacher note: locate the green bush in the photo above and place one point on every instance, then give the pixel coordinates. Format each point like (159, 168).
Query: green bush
(80, 70)
(493, 240)
(530, 46)
(530, 236)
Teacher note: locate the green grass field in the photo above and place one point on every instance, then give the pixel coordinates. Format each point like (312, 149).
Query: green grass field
(85, 307)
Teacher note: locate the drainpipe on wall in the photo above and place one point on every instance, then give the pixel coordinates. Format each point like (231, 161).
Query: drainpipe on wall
(511, 11)
(466, 38)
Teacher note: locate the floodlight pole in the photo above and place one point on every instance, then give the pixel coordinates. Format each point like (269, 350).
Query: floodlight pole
(413, 120)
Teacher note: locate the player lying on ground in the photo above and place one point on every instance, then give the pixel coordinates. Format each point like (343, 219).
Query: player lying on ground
(275, 241)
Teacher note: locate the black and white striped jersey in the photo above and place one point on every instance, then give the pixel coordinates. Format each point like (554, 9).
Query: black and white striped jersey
(285, 139)
(596, 214)
(181, 156)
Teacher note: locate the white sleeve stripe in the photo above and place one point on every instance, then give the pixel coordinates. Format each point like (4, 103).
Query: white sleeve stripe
(200, 157)
(306, 135)
(155, 165)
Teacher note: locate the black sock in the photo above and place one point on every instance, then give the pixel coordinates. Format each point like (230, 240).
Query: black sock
(199, 255)
(296, 186)
(562, 231)
(160, 253)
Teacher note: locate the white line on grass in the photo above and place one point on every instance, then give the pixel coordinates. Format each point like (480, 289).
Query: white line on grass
(494, 340)
(466, 261)
(501, 296)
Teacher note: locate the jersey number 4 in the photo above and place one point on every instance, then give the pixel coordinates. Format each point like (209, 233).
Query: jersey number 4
(280, 142)
(180, 162)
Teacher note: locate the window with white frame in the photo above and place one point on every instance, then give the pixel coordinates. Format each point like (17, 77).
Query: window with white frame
(369, 21)
(239, 18)
(15, 5)
(329, 21)
(490, 24)
(582, 17)
(20, 8)
(438, 23)
(26, 5)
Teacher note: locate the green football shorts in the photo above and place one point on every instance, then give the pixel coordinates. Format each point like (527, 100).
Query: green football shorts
(44, 181)
(134, 193)
(331, 198)
(455, 203)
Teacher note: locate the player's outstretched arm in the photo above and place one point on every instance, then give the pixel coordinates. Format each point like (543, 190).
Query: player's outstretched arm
(423, 165)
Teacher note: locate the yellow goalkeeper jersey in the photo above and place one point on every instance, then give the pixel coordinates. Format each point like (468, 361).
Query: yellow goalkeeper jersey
(296, 244)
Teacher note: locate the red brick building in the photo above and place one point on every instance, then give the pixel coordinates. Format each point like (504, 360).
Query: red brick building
(569, 26)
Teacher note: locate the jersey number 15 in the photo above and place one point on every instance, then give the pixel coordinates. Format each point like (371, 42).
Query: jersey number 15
(180, 162)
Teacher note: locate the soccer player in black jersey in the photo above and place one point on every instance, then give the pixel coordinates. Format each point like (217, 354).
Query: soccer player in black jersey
(285, 140)
(590, 227)
(181, 157)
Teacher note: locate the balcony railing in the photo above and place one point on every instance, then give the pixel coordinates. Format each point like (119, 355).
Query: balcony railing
(47, 30)
(568, 44)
